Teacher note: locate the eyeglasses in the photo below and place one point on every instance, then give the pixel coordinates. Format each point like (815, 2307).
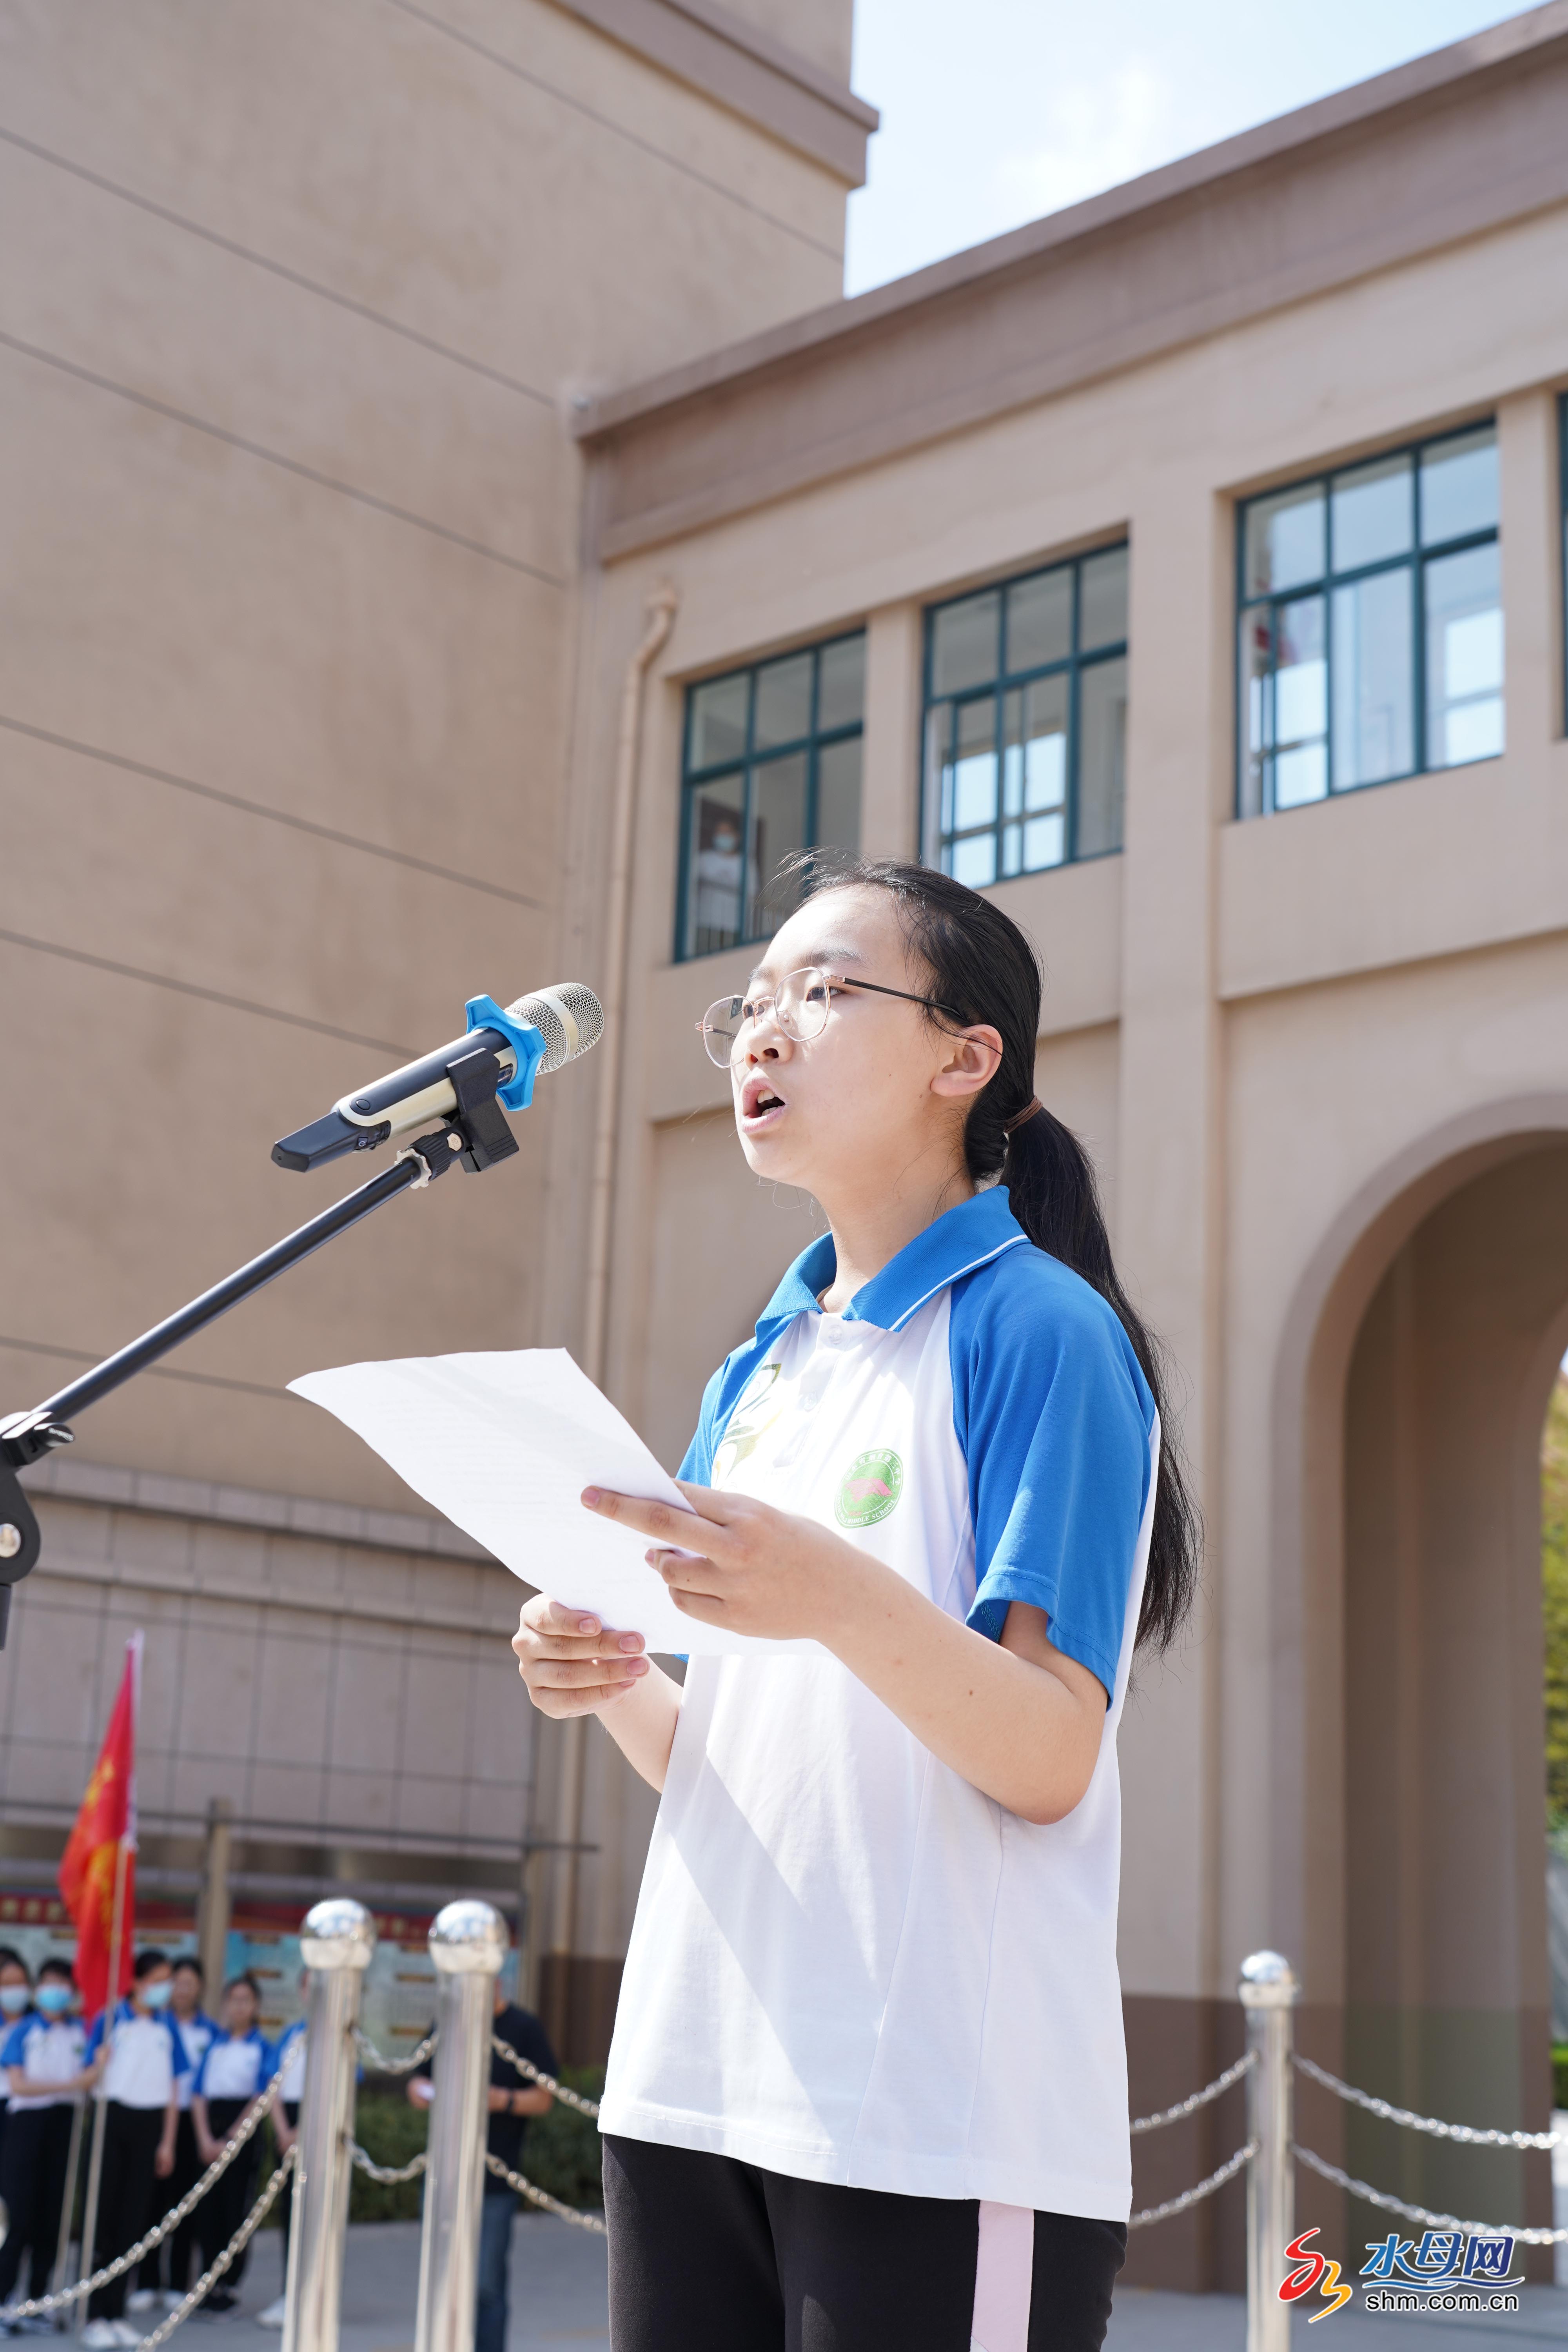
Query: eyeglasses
(800, 1005)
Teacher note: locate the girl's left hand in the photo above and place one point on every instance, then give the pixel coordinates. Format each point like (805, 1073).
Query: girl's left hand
(740, 1564)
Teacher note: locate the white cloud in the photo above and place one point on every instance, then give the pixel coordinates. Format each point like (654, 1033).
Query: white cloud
(1096, 134)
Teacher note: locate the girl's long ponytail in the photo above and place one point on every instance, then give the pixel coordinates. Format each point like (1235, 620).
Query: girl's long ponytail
(982, 966)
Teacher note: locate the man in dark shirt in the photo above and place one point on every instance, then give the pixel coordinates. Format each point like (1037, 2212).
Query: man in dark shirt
(514, 2096)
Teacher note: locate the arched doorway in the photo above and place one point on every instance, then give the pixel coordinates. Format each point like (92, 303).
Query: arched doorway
(1446, 1986)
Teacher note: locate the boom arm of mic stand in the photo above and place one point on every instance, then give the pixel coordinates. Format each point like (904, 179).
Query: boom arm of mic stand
(476, 1133)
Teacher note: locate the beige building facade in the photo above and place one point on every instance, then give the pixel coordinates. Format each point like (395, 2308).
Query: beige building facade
(1320, 1052)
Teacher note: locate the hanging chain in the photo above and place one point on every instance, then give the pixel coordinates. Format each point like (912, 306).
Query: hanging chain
(236, 2246)
(386, 2065)
(1199, 2098)
(248, 2124)
(1413, 2122)
(1524, 2237)
(545, 2082)
(541, 2196)
(1193, 2196)
(389, 2175)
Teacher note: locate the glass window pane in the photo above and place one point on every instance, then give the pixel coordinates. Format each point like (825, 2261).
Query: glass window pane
(778, 826)
(1040, 620)
(1295, 709)
(1035, 771)
(1045, 841)
(839, 795)
(1374, 698)
(1464, 659)
(1372, 513)
(1101, 756)
(1012, 849)
(975, 860)
(963, 642)
(1300, 775)
(1102, 613)
(719, 721)
(1285, 542)
(713, 851)
(973, 797)
(1256, 666)
(841, 684)
(784, 701)
(1459, 486)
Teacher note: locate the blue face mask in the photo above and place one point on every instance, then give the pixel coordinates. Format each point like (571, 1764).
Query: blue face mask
(157, 1996)
(13, 1999)
(55, 1998)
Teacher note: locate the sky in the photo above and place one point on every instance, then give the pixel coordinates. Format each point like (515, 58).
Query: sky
(996, 111)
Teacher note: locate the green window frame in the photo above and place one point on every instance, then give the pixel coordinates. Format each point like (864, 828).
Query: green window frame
(1370, 624)
(1025, 720)
(771, 762)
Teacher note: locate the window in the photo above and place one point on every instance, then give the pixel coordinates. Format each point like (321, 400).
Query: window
(1371, 624)
(1027, 720)
(771, 765)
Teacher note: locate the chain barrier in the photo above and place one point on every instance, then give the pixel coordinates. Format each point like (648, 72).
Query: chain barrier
(543, 2197)
(389, 2175)
(1227, 2172)
(1199, 2098)
(545, 2082)
(1331, 2172)
(386, 2065)
(236, 2246)
(248, 2124)
(1413, 2122)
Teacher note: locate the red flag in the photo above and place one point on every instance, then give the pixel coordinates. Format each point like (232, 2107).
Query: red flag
(90, 1864)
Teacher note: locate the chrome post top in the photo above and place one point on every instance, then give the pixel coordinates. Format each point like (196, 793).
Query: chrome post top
(469, 1939)
(337, 1934)
(1268, 1981)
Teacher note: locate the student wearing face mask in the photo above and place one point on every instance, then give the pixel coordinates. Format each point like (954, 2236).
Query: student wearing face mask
(45, 2069)
(16, 1992)
(236, 2066)
(146, 2057)
(167, 2271)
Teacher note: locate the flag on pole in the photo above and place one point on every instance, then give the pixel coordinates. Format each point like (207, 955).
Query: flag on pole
(89, 1866)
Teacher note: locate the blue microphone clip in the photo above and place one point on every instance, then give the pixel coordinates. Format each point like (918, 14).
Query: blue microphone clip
(484, 1013)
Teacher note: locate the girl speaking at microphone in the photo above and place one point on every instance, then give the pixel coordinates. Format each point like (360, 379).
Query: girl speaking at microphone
(867, 2085)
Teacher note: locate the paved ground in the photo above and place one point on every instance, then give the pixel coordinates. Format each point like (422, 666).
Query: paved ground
(558, 2299)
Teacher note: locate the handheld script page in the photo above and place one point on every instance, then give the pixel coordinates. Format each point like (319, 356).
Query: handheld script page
(503, 1444)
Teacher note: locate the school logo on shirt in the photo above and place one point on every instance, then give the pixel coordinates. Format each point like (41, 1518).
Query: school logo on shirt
(870, 1488)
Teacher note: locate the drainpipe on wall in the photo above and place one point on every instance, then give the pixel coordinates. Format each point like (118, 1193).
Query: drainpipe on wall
(661, 610)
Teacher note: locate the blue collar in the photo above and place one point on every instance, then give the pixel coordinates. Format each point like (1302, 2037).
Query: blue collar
(958, 1242)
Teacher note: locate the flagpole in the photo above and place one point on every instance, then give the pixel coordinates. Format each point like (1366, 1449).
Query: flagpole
(67, 2208)
(100, 2104)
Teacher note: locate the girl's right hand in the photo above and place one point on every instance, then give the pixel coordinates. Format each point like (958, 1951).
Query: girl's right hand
(571, 1663)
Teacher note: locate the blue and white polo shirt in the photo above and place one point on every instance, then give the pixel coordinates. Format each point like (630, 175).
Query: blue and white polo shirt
(50, 2053)
(849, 1965)
(234, 2066)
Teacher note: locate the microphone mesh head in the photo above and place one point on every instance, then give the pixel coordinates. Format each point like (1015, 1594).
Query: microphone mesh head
(569, 1018)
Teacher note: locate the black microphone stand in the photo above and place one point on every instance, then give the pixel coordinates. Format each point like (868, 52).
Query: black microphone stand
(474, 1135)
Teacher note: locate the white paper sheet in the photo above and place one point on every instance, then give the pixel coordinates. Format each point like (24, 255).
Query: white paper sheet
(503, 1444)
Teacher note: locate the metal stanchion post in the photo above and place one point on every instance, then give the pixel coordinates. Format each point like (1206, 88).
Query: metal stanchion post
(335, 1943)
(468, 1944)
(1267, 1992)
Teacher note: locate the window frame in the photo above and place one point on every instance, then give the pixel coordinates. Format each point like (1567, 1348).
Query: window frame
(1415, 561)
(745, 765)
(1071, 666)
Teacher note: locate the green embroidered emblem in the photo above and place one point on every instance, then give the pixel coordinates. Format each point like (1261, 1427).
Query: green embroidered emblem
(871, 1486)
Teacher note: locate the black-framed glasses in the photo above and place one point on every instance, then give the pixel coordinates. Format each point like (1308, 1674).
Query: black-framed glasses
(800, 1005)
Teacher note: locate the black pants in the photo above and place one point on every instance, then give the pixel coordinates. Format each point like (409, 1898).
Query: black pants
(709, 2255)
(127, 2190)
(169, 2263)
(33, 2159)
(232, 2195)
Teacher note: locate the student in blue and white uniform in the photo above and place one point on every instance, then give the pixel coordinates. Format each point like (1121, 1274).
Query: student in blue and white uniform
(45, 2065)
(165, 2273)
(236, 2065)
(16, 1998)
(867, 2084)
(145, 2058)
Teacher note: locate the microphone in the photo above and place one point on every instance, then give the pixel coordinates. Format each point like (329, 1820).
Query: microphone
(540, 1032)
